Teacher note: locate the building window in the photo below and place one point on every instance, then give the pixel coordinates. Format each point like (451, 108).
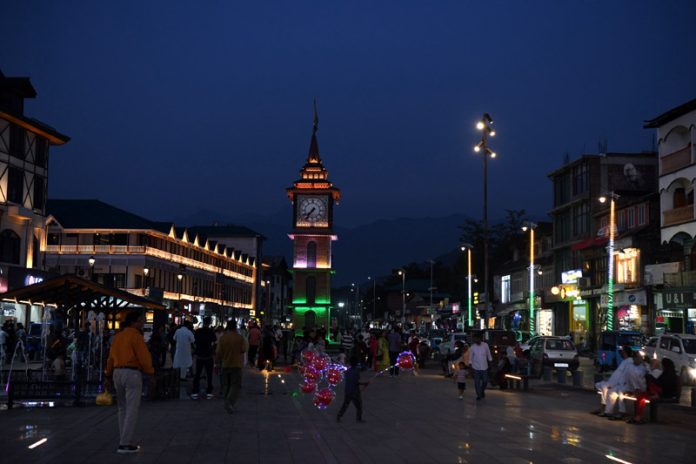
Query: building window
(580, 179)
(627, 266)
(9, 246)
(39, 193)
(641, 215)
(17, 141)
(679, 197)
(15, 185)
(312, 254)
(505, 289)
(36, 253)
(581, 219)
(40, 151)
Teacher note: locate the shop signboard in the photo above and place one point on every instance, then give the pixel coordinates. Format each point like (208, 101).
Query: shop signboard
(679, 298)
(571, 277)
(630, 298)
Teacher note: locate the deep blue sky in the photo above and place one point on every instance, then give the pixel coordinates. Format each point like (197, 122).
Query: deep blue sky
(174, 107)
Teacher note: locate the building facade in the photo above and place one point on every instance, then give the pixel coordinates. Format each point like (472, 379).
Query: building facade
(24, 157)
(313, 199)
(188, 272)
(274, 298)
(676, 280)
(580, 233)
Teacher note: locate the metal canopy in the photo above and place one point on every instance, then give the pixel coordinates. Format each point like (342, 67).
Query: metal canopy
(69, 291)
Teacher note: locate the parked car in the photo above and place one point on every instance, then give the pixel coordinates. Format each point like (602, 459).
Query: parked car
(447, 345)
(680, 348)
(555, 352)
(610, 343)
(525, 345)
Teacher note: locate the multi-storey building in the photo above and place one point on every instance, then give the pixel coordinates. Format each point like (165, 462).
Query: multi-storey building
(24, 154)
(676, 142)
(511, 284)
(189, 272)
(275, 289)
(580, 233)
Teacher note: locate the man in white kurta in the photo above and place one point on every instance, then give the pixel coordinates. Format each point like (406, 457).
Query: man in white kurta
(183, 359)
(610, 389)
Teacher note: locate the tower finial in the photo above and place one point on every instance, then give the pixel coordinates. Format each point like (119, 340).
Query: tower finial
(316, 117)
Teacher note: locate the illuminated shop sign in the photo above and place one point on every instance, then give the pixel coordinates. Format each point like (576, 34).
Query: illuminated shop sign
(571, 277)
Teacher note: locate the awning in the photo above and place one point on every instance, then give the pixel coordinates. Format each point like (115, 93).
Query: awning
(69, 291)
(590, 243)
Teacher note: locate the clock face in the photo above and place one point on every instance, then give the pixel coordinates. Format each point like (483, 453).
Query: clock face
(312, 210)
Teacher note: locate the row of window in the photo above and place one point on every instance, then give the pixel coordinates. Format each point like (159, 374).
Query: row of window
(570, 184)
(628, 218)
(11, 248)
(18, 147)
(15, 188)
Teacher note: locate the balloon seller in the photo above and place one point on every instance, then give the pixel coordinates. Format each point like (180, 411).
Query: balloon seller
(352, 391)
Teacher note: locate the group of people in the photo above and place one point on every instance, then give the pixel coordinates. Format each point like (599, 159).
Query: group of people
(130, 358)
(10, 336)
(640, 379)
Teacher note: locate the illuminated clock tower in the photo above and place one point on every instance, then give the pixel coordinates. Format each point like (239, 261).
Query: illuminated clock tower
(313, 198)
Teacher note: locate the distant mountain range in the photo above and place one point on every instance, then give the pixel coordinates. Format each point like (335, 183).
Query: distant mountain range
(373, 249)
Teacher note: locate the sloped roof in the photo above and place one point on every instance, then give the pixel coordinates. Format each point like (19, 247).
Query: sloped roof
(229, 230)
(95, 214)
(671, 115)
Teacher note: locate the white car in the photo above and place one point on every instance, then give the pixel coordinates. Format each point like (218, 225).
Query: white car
(447, 345)
(680, 348)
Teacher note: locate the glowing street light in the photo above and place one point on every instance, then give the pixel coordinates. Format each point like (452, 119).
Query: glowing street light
(402, 273)
(530, 226)
(610, 250)
(484, 125)
(470, 318)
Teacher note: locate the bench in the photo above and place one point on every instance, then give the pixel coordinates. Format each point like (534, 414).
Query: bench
(518, 381)
(653, 404)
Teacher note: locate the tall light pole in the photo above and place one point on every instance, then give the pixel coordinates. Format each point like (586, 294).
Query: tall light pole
(530, 226)
(374, 297)
(610, 250)
(484, 125)
(146, 271)
(470, 318)
(180, 277)
(91, 262)
(430, 307)
(402, 273)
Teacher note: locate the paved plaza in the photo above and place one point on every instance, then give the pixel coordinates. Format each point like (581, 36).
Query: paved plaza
(412, 419)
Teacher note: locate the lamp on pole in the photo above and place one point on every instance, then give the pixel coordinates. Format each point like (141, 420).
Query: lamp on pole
(402, 273)
(612, 197)
(91, 262)
(530, 226)
(146, 271)
(180, 278)
(374, 297)
(470, 318)
(484, 125)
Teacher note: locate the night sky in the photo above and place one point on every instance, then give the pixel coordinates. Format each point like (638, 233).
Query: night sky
(177, 107)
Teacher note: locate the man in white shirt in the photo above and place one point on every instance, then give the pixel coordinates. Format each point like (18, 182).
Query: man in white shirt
(480, 356)
(609, 389)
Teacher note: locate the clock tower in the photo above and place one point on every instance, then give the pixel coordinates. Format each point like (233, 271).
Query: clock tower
(313, 198)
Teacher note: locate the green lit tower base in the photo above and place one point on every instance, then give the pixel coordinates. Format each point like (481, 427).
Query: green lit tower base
(313, 198)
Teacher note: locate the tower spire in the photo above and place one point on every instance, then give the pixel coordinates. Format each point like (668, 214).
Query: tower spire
(313, 157)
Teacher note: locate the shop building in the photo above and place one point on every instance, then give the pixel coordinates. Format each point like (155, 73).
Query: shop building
(24, 154)
(276, 290)
(190, 274)
(675, 282)
(580, 235)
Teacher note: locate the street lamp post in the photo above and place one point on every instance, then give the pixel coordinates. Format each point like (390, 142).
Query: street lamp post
(91, 262)
(180, 277)
(531, 226)
(374, 297)
(402, 273)
(470, 320)
(146, 271)
(610, 250)
(484, 125)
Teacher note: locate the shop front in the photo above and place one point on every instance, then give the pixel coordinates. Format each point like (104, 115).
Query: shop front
(678, 312)
(579, 321)
(544, 322)
(631, 311)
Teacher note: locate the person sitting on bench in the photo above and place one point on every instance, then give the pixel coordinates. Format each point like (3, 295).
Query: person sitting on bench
(659, 385)
(615, 384)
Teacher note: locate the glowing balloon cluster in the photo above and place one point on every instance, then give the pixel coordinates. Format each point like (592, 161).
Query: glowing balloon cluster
(315, 369)
(406, 360)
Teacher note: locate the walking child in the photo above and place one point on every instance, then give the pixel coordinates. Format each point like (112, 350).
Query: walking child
(461, 379)
(352, 394)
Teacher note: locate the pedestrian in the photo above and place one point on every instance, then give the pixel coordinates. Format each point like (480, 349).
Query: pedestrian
(128, 360)
(394, 350)
(170, 339)
(229, 356)
(157, 346)
(382, 360)
(461, 379)
(205, 349)
(184, 339)
(352, 390)
(267, 351)
(347, 341)
(254, 337)
(480, 356)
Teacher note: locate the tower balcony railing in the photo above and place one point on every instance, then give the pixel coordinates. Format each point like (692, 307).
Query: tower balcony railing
(678, 215)
(675, 161)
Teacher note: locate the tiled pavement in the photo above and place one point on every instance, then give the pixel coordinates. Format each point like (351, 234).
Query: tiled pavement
(413, 419)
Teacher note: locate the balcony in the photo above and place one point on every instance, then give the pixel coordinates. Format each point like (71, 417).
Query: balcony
(680, 279)
(678, 215)
(675, 161)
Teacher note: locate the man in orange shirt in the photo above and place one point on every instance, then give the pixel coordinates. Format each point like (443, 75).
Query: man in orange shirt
(128, 360)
